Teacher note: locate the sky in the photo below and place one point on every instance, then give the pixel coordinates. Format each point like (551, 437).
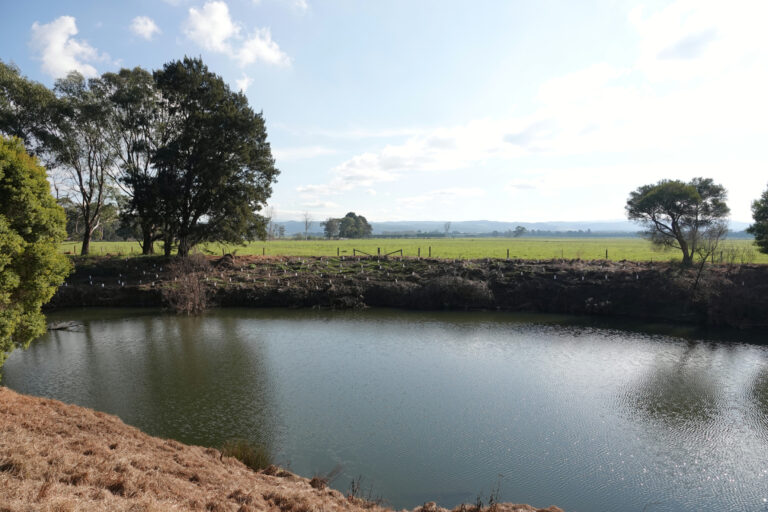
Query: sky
(453, 110)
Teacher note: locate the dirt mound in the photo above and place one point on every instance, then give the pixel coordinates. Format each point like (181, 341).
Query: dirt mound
(58, 457)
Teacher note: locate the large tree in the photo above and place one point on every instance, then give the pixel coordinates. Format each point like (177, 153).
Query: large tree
(760, 228)
(354, 226)
(331, 227)
(26, 109)
(81, 149)
(136, 129)
(215, 170)
(680, 215)
(31, 229)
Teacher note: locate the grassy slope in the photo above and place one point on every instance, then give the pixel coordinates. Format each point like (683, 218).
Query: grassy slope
(633, 249)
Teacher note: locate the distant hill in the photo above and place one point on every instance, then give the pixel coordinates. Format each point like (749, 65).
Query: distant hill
(486, 227)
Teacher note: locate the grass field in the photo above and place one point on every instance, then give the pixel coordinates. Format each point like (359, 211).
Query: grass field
(634, 249)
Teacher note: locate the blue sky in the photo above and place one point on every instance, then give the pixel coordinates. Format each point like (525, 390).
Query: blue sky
(446, 110)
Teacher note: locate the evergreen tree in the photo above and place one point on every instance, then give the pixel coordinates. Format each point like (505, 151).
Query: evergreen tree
(31, 229)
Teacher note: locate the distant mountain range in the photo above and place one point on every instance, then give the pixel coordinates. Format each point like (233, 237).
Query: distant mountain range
(615, 228)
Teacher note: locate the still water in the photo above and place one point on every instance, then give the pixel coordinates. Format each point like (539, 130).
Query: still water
(436, 406)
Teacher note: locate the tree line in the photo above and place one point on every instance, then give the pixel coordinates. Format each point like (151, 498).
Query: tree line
(171, 156)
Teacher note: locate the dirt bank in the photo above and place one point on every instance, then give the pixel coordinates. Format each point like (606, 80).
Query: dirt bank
(58, 457)
(723, 295)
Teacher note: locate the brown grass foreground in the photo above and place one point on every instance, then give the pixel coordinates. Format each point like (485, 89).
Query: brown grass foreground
(59, 457)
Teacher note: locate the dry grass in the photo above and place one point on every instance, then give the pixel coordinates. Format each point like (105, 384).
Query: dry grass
(58, 457)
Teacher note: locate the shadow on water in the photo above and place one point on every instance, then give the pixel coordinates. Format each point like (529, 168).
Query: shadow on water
(195, 379)
(680, 391)
(759, 395)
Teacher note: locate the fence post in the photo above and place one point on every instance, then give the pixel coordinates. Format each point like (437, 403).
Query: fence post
(337, 252)
(606, 254)
(419, 252)
(263, 250)
(378, 251)
(430, 251)
(507, 253)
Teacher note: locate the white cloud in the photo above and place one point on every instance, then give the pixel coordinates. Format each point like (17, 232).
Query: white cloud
(260, 46)
(300, 153)
(59, 52)
(695, 92)
(446, 196)
(326, 205)
(243, 83)
(145, 27)
(213, 29)
(300, 5)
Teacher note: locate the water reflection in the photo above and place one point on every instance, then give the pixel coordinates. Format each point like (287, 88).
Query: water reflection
(682, 391)
(759, 394)
(199, 380)
(435, 406)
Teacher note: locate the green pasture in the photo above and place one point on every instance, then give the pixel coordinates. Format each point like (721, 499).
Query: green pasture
(634, 249)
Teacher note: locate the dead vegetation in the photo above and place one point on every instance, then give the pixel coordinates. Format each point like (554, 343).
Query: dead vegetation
(186, 292)
(58, 457)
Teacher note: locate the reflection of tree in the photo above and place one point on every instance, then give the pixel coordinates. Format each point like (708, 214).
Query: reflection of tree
(760, 396)
(194, 379)
(684, 393)
(204, 383)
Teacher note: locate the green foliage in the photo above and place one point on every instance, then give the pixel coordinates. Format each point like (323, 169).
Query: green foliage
(349, 226)
(31, 229)
(80, 145)
(136, 128)
(216, 169)
(760, 228)
(680, 215)
(26, 108)
(252, 455)
(331, 227)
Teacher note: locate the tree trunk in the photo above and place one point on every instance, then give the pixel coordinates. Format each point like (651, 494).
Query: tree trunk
(183, 249)
(86, 241)
(148, 245)
(687, 255)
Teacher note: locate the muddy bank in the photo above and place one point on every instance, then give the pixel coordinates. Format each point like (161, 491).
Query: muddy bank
(58, 457)
(723, 295)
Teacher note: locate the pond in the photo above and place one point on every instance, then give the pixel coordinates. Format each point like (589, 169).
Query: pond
(436, 406)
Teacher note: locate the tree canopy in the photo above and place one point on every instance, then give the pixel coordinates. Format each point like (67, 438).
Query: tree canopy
(354, 226)
(216, 170)
(26, 108)
(679, 214)
(182, 157)
(760, 228)
(32, 226)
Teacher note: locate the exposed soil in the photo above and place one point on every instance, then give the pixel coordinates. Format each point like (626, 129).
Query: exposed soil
(725, 295)
(58, 457)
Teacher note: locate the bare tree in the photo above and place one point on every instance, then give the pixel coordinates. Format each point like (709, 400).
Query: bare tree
(269, 217)
(81, 150)
(307, 224)
(708, 244)
(447, 227)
